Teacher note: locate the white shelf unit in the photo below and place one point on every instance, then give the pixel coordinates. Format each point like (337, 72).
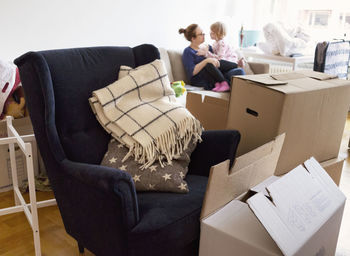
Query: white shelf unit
(30, 209)
(286, 63)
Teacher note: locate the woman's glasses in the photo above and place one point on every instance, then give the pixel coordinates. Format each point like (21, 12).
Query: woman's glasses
(201, 34)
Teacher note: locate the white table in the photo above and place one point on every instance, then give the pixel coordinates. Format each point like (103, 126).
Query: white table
(249, 54)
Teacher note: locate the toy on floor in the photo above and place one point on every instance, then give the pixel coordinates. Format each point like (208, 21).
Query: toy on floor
(178, 87)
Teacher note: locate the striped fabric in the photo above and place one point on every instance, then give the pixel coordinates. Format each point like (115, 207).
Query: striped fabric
(140, 111)
(337, 59)
(333, 58)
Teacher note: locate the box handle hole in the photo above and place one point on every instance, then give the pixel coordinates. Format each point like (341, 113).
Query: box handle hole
(252, 112)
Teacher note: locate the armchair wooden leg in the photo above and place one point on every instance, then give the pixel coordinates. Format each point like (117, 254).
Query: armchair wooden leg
(81, 249)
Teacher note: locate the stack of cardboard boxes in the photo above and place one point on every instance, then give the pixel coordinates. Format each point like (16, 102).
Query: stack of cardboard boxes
(310, 107)
(246, 211)
(276, 199)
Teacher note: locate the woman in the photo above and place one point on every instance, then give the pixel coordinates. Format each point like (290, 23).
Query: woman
(201, 71)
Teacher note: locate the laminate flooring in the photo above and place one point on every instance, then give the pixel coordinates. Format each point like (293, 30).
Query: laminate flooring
(16, 237)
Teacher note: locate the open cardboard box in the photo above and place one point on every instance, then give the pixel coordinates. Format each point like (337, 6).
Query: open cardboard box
(310, 107)
(210, 108)
(247, 211)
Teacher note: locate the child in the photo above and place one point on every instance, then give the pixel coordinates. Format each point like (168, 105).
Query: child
(222, 52)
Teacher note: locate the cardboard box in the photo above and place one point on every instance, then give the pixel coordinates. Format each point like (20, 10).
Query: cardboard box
(334, 168)
(242, 176)
(297, 214)
(310, 107)
(210, 108)
(23, 127)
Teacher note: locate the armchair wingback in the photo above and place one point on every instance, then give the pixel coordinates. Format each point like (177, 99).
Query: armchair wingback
(99, 205)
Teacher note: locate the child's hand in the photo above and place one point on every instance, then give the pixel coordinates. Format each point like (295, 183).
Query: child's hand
(240, 63)
(202, 52)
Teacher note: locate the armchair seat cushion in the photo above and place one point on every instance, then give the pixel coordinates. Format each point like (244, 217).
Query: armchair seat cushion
(168, 220)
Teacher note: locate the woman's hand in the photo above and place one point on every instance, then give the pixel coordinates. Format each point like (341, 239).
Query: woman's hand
(213, 61)
(204, 62)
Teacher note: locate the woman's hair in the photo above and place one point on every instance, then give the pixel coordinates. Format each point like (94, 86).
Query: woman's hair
(219, 29)
(189, 32)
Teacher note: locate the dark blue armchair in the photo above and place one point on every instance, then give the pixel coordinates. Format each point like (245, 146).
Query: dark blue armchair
(99, 205)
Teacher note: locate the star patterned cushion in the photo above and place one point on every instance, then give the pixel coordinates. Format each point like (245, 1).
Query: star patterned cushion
(154, 178)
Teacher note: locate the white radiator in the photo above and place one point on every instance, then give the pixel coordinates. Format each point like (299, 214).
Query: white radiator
(280, 67)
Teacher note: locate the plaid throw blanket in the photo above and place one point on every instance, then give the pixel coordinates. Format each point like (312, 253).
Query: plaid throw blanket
(140, 111)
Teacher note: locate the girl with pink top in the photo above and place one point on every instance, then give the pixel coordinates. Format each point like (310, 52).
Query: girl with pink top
(221, 51)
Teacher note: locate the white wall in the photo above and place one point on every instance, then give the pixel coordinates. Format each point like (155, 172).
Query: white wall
(30, 25)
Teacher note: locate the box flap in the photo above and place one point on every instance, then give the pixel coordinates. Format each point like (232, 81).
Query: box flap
(317, 171)
(301, 202)
(232, 223)
(302, 74)
(216, 95)
(249, 170)
(334, 168)
(287, 76)
(210, 108)
(318, 75)
(261, 187)
(295, 82)
(262, 79)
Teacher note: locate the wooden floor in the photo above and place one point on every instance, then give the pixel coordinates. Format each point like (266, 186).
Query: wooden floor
(16, 237)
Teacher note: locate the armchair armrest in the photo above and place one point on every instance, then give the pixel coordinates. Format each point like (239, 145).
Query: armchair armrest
(111, 183)
(259, 68)
(217, 146)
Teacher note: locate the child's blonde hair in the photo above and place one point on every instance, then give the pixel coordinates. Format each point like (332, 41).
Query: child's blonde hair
(219, 29)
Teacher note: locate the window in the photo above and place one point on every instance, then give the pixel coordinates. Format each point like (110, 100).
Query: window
(315, 18)
(344, 20)
(323, 20)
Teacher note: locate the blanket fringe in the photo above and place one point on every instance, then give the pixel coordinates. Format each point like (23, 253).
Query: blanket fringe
(169, 145)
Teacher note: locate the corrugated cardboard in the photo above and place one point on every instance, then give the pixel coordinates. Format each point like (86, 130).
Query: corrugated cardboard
(210, 108)
(297, 214)
(222, 232)
(24, 127)
(334, 168)
(308, 106)
(247, 171)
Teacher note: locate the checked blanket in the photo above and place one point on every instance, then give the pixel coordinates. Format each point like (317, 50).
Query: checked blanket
(140, 111)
